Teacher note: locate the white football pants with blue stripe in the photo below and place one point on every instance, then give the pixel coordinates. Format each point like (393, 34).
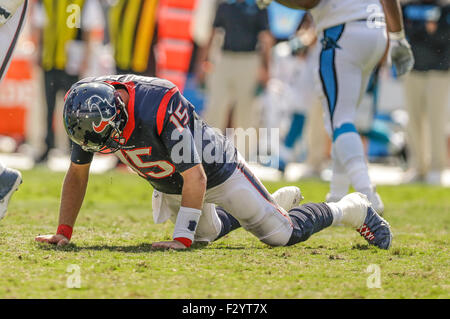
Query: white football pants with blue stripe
(348, 54)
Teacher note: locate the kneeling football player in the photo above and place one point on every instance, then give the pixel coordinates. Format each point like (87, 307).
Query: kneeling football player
(201, 183)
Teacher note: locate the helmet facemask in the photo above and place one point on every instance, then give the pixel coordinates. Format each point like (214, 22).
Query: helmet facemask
(116, 141)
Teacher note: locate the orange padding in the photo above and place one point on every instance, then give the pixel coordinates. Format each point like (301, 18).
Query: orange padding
(19, 70)
(16, 92)
(185, 4)
(12, 121)
(175, 23)
(174, 55)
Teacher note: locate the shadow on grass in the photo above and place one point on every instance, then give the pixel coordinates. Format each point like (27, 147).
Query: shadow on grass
(139, 248)
(361, 247)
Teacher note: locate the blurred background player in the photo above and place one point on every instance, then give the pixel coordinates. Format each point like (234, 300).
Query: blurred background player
(12, 18)
(63, 34)
(427, 26)
(290, 99)
(354, 40)
(234, 78)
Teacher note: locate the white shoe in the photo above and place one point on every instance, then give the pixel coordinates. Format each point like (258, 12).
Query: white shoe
(288, 197)
(358, 213)
(412, 176)
(10, 180)
(434, 178)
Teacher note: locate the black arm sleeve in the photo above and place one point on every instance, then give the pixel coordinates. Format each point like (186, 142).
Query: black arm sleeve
(79, 156)
(263, 20)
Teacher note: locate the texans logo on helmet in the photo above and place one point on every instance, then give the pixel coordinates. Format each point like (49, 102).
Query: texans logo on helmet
(110, 111)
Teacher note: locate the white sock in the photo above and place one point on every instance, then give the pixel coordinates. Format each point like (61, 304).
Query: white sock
(340, 182)
(359, 172)
(337, 213)
(350, 152)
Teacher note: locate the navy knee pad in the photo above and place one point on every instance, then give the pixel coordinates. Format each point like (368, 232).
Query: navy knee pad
(229, 223)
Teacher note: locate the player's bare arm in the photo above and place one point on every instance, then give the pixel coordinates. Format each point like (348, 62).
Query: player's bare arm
(267, 41)
(294, 4)
(299, 4)
(193, 194)
(393, 13)
(400, 50)
(194, 187)
(202, 63)
(73, 191)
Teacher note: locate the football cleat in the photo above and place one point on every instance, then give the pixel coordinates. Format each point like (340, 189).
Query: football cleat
(358, 213)
(434, 178)
(376, 230)
(10, 180)
(288, 197)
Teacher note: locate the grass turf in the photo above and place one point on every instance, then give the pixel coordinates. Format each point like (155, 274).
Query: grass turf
(113, 235)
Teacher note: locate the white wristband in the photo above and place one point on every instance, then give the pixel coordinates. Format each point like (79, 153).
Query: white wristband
(186, 223)
(397, 35)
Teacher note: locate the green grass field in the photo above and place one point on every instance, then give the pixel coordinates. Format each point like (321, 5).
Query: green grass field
(113, 235)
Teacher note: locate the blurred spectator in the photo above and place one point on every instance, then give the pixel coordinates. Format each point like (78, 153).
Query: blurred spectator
(234, 78)
(63, 30)
(290, 93)
(132, 33)
(427, 25)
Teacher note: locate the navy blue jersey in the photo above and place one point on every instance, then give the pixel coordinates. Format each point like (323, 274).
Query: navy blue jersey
(166, 136)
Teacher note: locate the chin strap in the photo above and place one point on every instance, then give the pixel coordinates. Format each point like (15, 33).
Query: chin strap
(112, 146)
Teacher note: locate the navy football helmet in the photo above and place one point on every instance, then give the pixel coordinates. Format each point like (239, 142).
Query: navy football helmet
(94, 117)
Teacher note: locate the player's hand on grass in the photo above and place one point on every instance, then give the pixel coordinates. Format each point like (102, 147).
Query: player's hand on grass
(173, 244)
(59, 240)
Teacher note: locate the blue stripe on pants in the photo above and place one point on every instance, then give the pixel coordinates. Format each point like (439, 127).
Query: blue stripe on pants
(327, 65)
(255, 182)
